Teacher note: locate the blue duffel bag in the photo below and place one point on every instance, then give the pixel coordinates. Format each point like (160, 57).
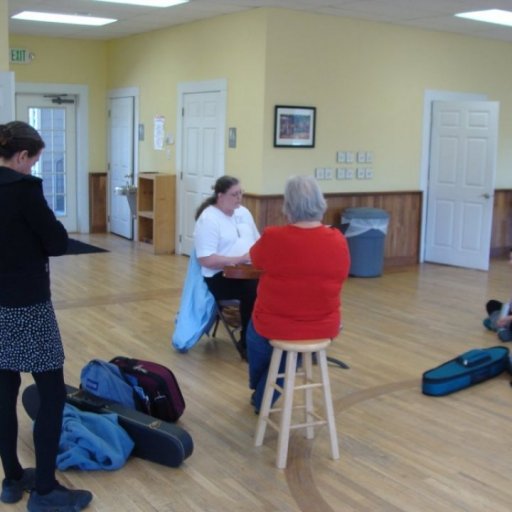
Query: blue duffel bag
(465, 370)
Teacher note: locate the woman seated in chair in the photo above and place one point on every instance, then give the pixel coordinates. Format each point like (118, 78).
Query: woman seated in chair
(304, 265)
(223, 234)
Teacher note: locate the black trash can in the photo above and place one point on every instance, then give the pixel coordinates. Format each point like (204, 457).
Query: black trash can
(366, 235)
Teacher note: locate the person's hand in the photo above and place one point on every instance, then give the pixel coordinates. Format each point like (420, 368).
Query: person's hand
(245, 258)
(503, 322)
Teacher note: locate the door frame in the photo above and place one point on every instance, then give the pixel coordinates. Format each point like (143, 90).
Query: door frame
(82, 140)
(7, 94)
(429, 97)
(124, 92)
(220, 86)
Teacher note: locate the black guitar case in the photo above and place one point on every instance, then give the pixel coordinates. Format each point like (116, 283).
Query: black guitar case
(155, 440)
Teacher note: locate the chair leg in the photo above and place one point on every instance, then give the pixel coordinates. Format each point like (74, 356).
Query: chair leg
(329, 410)
(308, 394)
(267, 396)
(287, 410)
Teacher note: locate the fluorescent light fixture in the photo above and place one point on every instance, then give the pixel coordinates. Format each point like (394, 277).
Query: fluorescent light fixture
(147, 3)
(70, 19)
(497, 16)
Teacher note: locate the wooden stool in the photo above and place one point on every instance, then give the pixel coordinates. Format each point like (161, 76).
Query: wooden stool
(311, 418)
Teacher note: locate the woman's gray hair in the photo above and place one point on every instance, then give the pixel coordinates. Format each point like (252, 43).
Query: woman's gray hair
(303, 199)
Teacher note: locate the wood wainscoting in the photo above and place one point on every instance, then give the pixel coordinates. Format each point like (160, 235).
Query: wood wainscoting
(501, 237)
(98, 202)
(402, 242)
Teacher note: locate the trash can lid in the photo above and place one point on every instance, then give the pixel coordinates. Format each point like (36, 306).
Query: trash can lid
(365, 213)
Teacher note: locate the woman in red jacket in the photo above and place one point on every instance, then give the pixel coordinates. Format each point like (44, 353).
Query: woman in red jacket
(304, 264)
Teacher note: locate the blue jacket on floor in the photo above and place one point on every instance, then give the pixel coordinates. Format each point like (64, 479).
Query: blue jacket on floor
(92, 441)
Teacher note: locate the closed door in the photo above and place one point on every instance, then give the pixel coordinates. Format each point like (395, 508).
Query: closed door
(461, 183)
(54, 116)
(121, 165)
(202, 157)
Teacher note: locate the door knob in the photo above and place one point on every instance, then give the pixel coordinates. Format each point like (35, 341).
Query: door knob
(486, 196)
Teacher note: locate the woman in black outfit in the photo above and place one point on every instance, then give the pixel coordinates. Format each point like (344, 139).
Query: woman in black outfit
(29, 335)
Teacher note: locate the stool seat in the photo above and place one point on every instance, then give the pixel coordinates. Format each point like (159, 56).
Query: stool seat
(302, 345)
(291, 349)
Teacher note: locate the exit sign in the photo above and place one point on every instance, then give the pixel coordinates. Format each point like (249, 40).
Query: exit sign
(21, 56)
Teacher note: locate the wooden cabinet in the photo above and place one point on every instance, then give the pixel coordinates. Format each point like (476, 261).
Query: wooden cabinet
(156, 199)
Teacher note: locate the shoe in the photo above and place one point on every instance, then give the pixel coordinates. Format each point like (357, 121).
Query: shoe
(12, 490)
(487, 324)
(505, 334)
(59, 500)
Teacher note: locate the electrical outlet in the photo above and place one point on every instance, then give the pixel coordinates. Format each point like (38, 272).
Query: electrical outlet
(341, 157)
(368, 173)
(349, 157)
(328, 172)
(320, 173)
(369, 157)
(349, 174)
(360, 173)
(361, 157)
(341, 173)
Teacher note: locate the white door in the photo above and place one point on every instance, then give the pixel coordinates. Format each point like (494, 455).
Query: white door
(54, 116)
(121, 164)
(202, 153)
(461, 183)
(6, 96)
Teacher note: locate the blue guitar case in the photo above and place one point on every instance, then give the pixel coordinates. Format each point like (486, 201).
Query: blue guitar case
(465, 370)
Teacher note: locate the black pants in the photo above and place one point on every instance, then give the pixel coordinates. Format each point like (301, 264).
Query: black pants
(243, 290)
(47, 426)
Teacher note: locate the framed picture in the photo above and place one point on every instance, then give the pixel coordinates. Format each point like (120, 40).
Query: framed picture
(294, 127)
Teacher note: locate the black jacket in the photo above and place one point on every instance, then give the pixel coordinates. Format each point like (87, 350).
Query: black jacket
(29, 234)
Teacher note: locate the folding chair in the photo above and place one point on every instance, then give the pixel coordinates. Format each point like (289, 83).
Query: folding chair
(228, 312)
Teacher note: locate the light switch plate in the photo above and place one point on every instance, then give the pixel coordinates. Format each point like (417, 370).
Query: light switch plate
(361, 173)
(341, 173)
(320, 173)
(341, 157)
(349, 157)
(328, 172)
(361, 157)
(368, 173)
(349, 174)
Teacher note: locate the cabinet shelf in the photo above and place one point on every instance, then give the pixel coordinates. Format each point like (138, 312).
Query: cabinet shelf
(156, 197)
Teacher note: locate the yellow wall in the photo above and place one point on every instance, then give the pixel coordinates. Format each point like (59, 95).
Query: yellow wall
(4, 39)
(367, 81)
(219, 48)
(77, 62)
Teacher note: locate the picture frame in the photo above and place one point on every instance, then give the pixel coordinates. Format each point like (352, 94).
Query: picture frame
(294, 127)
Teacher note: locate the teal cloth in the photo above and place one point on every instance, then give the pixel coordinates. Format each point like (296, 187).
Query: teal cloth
(197, 309)
(90, 441)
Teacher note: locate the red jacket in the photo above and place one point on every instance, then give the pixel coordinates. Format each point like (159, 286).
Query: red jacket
(299, 292)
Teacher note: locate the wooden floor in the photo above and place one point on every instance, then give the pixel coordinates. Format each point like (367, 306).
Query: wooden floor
(400, 450)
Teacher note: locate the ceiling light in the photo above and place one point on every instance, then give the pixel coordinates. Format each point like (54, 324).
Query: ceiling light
(71, 19)
(497, 16)
(148, 3)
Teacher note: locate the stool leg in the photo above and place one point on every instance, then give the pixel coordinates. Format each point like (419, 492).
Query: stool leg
(308, 394)
(329, 411)
(267, 396)
(287, 409)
